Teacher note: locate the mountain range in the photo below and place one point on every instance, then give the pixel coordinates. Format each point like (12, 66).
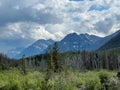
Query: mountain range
(71, 42)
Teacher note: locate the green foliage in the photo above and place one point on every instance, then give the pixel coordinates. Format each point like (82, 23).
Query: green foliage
(103, 77)
(56, 58)
(93, 85)
(45, 83)
(24, 65)
(108, 81)
(3, 67)
(53, 61)
(113, 84)
(118, 75)
(50, 61)
(65, 80)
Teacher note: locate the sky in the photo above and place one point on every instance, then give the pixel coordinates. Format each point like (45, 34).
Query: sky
(22, 22)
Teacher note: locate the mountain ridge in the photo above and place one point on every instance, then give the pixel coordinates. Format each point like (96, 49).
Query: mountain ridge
(114, 42)
(71, 42)
(37, 47)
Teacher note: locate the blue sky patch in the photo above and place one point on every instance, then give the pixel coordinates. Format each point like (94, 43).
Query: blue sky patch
(80, 0)
(76, 0)
(99, 8)
(75, 19)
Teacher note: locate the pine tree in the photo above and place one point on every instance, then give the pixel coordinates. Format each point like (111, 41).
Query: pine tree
(50, 59)
(56, 58)
(24, 65)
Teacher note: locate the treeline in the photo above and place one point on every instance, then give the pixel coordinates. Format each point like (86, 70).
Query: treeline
(83, 60)
(7, 63)
(51, 60)
(107, 59)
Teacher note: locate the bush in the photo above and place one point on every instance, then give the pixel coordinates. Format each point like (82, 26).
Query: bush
(103, 78)
(93, 85)
(3, 67)
(118, 75)
(108, 82)
(72, 80)
(113, 84)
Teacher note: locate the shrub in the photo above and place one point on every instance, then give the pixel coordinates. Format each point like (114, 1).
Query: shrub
(3, 67)
(103, 78)
(118, 75)
(93, 85)
(113, 84)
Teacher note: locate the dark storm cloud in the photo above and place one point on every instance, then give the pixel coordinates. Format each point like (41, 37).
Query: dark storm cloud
(16, 11)
(104, 26)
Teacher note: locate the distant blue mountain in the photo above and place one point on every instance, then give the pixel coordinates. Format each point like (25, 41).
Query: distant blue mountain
(36, 48)
(71, 42)
(15, 51)
(75, 42)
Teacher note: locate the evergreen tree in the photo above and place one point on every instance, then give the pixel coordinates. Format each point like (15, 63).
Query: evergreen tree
(50, 59)
(56, 58)
(24, 66)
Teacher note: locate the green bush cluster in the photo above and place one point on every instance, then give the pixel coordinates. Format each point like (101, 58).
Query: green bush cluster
(65, 80)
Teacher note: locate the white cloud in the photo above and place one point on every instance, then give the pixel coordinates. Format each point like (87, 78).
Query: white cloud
(16, 7)
(68, 10)
(29, 30)
(41, 33)
(39, 6)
